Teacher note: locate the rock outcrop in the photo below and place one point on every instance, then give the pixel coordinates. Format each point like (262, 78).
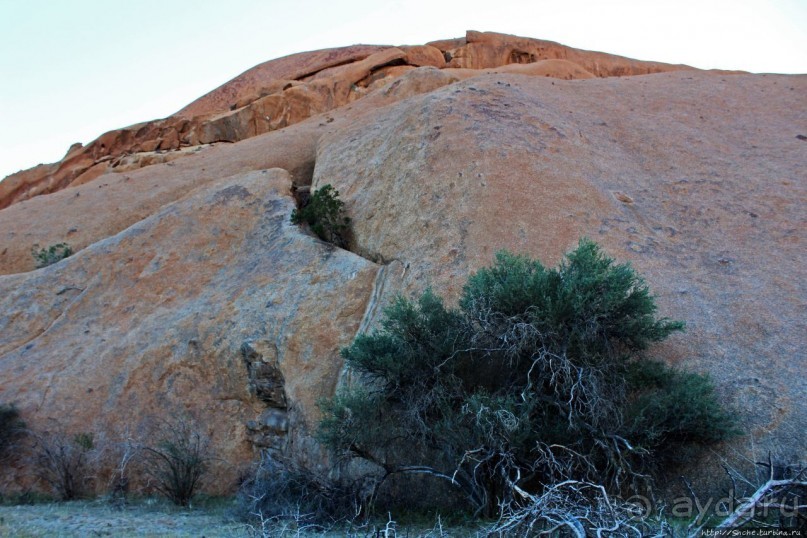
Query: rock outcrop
(484, 50)
(695, 178)
(285, 91)
(191, 292)
(151, 323)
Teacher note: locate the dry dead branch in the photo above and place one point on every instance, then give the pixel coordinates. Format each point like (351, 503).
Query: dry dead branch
(784, 490)
(582, 509)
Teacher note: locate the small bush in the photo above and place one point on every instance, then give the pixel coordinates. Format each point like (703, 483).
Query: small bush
(11, 429)
(178, 462)
(52, 254)
(66, 463)
(324, 213)
(287, 492)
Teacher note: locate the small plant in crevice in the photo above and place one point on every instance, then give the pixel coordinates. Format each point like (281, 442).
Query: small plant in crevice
(50, 255)
(324, 214)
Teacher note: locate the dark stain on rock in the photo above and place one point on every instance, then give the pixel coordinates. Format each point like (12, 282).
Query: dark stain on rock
(224, 196)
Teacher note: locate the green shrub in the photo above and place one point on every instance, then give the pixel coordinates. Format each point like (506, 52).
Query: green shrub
(52, 254)
(11, 429)
(324, 213)
(670, 409)
(536, 378)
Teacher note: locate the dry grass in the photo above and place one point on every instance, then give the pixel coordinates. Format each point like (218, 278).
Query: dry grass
(156, 518)
(97, 518)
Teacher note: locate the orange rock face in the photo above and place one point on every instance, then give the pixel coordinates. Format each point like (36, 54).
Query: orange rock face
(285, 91)
(695, 178)
(484, 50)
(190, 292)
(149, 324)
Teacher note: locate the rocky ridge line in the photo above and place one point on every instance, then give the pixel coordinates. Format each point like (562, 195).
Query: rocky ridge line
(283, 92)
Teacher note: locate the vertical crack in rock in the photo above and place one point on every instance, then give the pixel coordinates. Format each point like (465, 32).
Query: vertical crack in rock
(371, 311)
(379, 285)
(270, 429)
(301, 193)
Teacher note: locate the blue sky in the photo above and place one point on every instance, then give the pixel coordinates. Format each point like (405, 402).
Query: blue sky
(73, 69)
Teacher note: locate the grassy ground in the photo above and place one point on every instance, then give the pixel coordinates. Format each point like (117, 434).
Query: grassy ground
(209, 519)
(97, 518)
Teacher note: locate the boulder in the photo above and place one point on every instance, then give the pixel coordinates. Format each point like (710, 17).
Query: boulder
(25, 184)
(149, 324)
(282, 92)
(695, 179)
(424, 55)
(191, 293)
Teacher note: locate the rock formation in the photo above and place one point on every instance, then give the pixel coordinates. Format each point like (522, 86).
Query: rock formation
(282, 92)
(191, 292)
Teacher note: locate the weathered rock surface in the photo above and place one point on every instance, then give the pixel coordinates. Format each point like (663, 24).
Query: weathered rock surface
(288, 90)
(191, 292)
(86, 214)
(481, 50)
(25, 184)
(149, 323)
(294, 67)
(697, 179)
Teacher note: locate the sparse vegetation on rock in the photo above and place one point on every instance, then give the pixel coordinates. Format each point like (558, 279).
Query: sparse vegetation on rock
(540, 377)
(324, 213)
(50, 255)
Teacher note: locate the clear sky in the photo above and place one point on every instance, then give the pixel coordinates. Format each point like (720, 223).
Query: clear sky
(73, 69)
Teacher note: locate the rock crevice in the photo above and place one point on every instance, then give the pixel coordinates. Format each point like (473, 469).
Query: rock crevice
(265, 381)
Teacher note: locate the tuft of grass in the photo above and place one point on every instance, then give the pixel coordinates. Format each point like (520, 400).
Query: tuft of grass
(50, 255)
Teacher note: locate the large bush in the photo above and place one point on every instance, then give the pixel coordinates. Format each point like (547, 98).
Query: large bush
(541, 375)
